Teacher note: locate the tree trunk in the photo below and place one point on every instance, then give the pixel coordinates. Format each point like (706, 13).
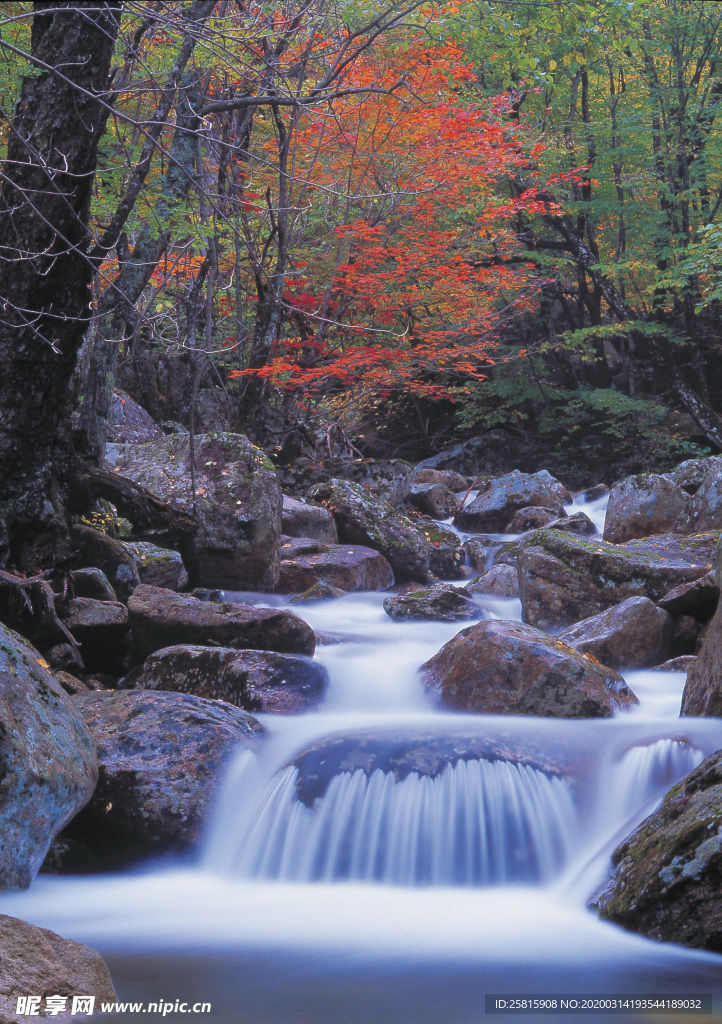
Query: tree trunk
(45, 276)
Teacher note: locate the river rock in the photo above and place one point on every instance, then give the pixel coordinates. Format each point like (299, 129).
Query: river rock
(130, 423)
(508, 668)
(91, 583)
(374, 523)
(303, 520)
(531, 518)
(321, 591)
(293, 547)
(643, 505)
(237, 502)
(253, 680)
(446, 552)
(161, 618)
(555, 485)
(476, 549)
(494, 508)
(158, 567)
(579, 523)
(350, 567)
(705, 507)
(595, 492)
(36, 961)
(99, 627)
(564, 578)
(490, 453)
(433, 500)
(633, 634)
(698, 598)
(446, 477)
(48, 768)
(93, 549)
(683, 663)
(666, 875)
(160, 760)
(690, 475)
(703, 689)
(500, 580)
(442, 603)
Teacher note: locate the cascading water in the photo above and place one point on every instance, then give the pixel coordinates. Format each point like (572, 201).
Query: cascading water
(437, 858)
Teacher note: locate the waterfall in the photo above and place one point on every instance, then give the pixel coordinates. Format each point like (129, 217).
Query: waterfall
(476, 823)
(647, 771)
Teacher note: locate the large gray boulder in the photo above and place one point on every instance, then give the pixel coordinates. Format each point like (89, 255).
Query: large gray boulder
(633, 634)
(705, 508)
(508, 668)
(161, 618)
(454, 481)
(160, 760)
(48, 768)
(643, 505)
(303, 520)
(158, 567)
(666, 876)
(564, 578)
(36, 960)
(350, 567)
(365, 519)
(500, 581)
(237, 502)
(494, 508)
(96, 550)
(433, 500)
(130, 423)
(252, 680)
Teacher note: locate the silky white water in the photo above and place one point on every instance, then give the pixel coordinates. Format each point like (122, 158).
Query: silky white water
(396, 896)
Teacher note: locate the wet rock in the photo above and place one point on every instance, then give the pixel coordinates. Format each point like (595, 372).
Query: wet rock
(291, 547)
(237, 502)
(47, 760)
(129, 422)
(433, 500)
(99, 627)
(666, 875)
(285, 684)
(158, 567)
(705, 507)
(446, 552)
(698, 598)
(442, 603)
(508, 668)
(161, 618)
(375, 523)
(303, 520)
(350, 567)
(598, 491)
(91, 583)
(493, 452)
(531, 518)
(494, 508)
(37, 961)
(685, 636)
(476, 549)
(703, 689)
(500, 580)
(64, 658)
(633, 634)
(564, 578)
(160, 759)
(643, 505)
(681, 664)
(579, 523)
(690, 475)
(423, 754)
(446, 477)
(555, 485)
(93, 549)
(320, 591)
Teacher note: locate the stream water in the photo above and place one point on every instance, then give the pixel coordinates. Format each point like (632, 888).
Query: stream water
(410, 901)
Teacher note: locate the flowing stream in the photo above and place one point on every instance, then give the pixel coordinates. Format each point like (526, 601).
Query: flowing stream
(392, 895)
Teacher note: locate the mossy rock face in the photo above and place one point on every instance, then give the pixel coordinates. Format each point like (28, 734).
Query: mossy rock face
(643, 505)
(667, 876)
(508, 668)
(237, 501)
(446, 552)
(47, 760)
(564, 578)
(159, 567)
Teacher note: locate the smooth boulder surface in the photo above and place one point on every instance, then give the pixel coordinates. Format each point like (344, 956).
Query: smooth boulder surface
(579, 523)
(500, 580)
(564, 578)
(158, 567)
(643, 505)
(349, 567)
(698, 598)
(237, 501)
(448, 478)
(442, 603)
(370, 521)
(633, 634)
(433, 500)
(130, 423)
(36, 961)
(48, 767)
(252, 680)
(508, 668)
(160, 760)
(495, 506)
(161, 618)
(299, 519)
(531, 518)
(666, 875)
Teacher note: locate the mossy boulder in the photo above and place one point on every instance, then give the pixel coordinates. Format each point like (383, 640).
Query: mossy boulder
(501, 498)
(643, 505)
(237, 502)
(446, 552)
(667, 875)
(433, 500)
(48, 767)
(442, 603)
(508, 668)
(159, 567)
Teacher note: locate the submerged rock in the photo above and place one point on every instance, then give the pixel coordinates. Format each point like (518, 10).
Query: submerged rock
(349, 567)
(508, 668)
(160, 759)
(633, 634)
(496, 505)
(48, 767)
(666, 875)
(36, 960)
(321, 591)
(253, 680)
(442, 603)
(161, 618)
